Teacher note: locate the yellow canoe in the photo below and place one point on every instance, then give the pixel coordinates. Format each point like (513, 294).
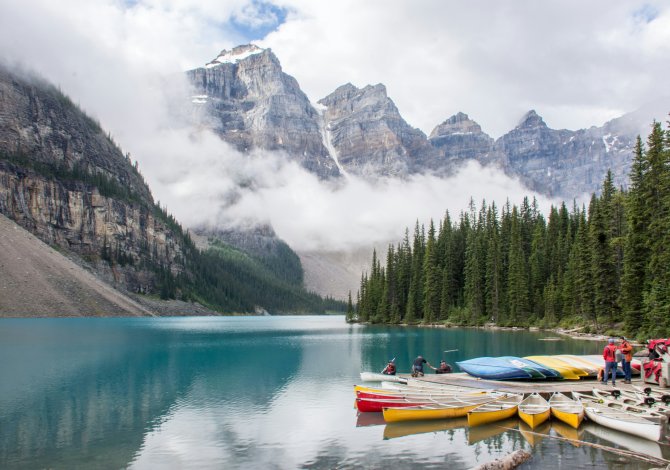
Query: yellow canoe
(577, 361)
(534, 410)
(454, 408)
(566, 409)
(568, 371)
(502, 408)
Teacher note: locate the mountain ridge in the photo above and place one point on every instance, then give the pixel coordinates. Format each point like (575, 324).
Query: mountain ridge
(363, 133)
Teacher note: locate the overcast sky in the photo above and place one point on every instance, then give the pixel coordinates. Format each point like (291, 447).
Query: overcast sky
(577, 63)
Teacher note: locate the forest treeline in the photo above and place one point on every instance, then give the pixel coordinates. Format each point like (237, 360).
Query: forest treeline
(605, 267)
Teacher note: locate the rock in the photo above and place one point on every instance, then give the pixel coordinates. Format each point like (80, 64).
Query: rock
(246, 98)
(509, 462)
(370, 137)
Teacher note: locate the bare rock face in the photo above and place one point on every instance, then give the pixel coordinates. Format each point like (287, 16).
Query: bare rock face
(565, 163)
(369, 136)
(67, 183)
(460, 138)
(246, 98)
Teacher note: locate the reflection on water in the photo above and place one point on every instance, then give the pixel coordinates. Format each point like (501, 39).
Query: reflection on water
(241, 392)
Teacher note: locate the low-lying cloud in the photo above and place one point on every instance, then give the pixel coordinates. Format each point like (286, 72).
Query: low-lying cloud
(204, 181)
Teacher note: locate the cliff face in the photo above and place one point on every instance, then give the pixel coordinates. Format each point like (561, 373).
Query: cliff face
(368, 135)
(246, 98)
(69, 184)
(460, 138)
(565, 163)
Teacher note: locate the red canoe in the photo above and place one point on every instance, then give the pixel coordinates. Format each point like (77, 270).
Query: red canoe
(373, 405)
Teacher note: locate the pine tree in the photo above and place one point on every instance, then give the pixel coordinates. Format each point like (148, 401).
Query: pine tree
(432, 277)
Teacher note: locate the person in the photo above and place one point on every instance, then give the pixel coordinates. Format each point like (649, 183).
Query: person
(627, 351)
(390, 368)
(417, 366)
(444, 368)
(609, 355)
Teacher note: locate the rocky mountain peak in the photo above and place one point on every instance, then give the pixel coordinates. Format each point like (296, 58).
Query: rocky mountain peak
(235, 55)
(531, 120)
(459, 123)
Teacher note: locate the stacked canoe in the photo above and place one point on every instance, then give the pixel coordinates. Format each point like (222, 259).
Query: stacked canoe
(557, 367)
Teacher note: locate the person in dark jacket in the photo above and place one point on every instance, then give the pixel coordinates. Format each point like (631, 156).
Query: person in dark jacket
(417, 366)
(609, 355)
(443, 368)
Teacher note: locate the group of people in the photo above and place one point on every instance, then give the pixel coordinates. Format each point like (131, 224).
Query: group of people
(417, 367)
(615, 353)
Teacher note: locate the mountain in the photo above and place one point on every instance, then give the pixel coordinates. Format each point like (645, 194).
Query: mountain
(564, 163)
(368, 135)
(245, 97)
(66, 182)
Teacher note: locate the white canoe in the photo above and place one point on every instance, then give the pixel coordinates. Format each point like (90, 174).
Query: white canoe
(621, 420)
(608, 400)
(627, 441)
(377, 377)
(624, 421)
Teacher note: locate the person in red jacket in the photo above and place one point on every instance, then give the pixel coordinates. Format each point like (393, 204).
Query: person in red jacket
(609, 355)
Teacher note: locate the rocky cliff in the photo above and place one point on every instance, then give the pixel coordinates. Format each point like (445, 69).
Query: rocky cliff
(368, 135)
(246, 98)
(564, 163)
(65, 181)
(251, 103)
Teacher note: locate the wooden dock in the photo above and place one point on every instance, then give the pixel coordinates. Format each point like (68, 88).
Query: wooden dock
(585, 385)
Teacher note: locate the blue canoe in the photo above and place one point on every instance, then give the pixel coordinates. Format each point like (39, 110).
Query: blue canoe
(499, 368)
(545, 372)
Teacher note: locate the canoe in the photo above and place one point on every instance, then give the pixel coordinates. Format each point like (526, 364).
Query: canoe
(656, 394)
(621, 420)
(608, 400)
(588, 400)
(406, 428)
(599, 362)
(638, 399)
(577, 361)
(528, 365)
(494, 368)
(376, 405)
(566, 370)
(627, 441)
(566, 409)
(378, 395)
(534, 410)
(502, 408)
(377, 377)
(455, 408)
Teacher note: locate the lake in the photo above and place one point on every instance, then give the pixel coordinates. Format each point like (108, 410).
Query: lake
(248, 392)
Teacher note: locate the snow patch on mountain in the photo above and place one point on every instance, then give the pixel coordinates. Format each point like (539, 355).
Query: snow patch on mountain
(235, 55)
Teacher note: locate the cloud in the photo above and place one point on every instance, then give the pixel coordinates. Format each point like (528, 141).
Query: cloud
(217, 186)
(576, 63)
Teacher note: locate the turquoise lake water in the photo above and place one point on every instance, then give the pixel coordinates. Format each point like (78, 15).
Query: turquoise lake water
(247, 392)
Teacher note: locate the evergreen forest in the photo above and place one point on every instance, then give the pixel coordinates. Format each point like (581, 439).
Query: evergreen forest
(605, 267)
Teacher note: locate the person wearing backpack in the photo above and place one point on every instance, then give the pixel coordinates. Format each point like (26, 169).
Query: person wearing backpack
(609, 355)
